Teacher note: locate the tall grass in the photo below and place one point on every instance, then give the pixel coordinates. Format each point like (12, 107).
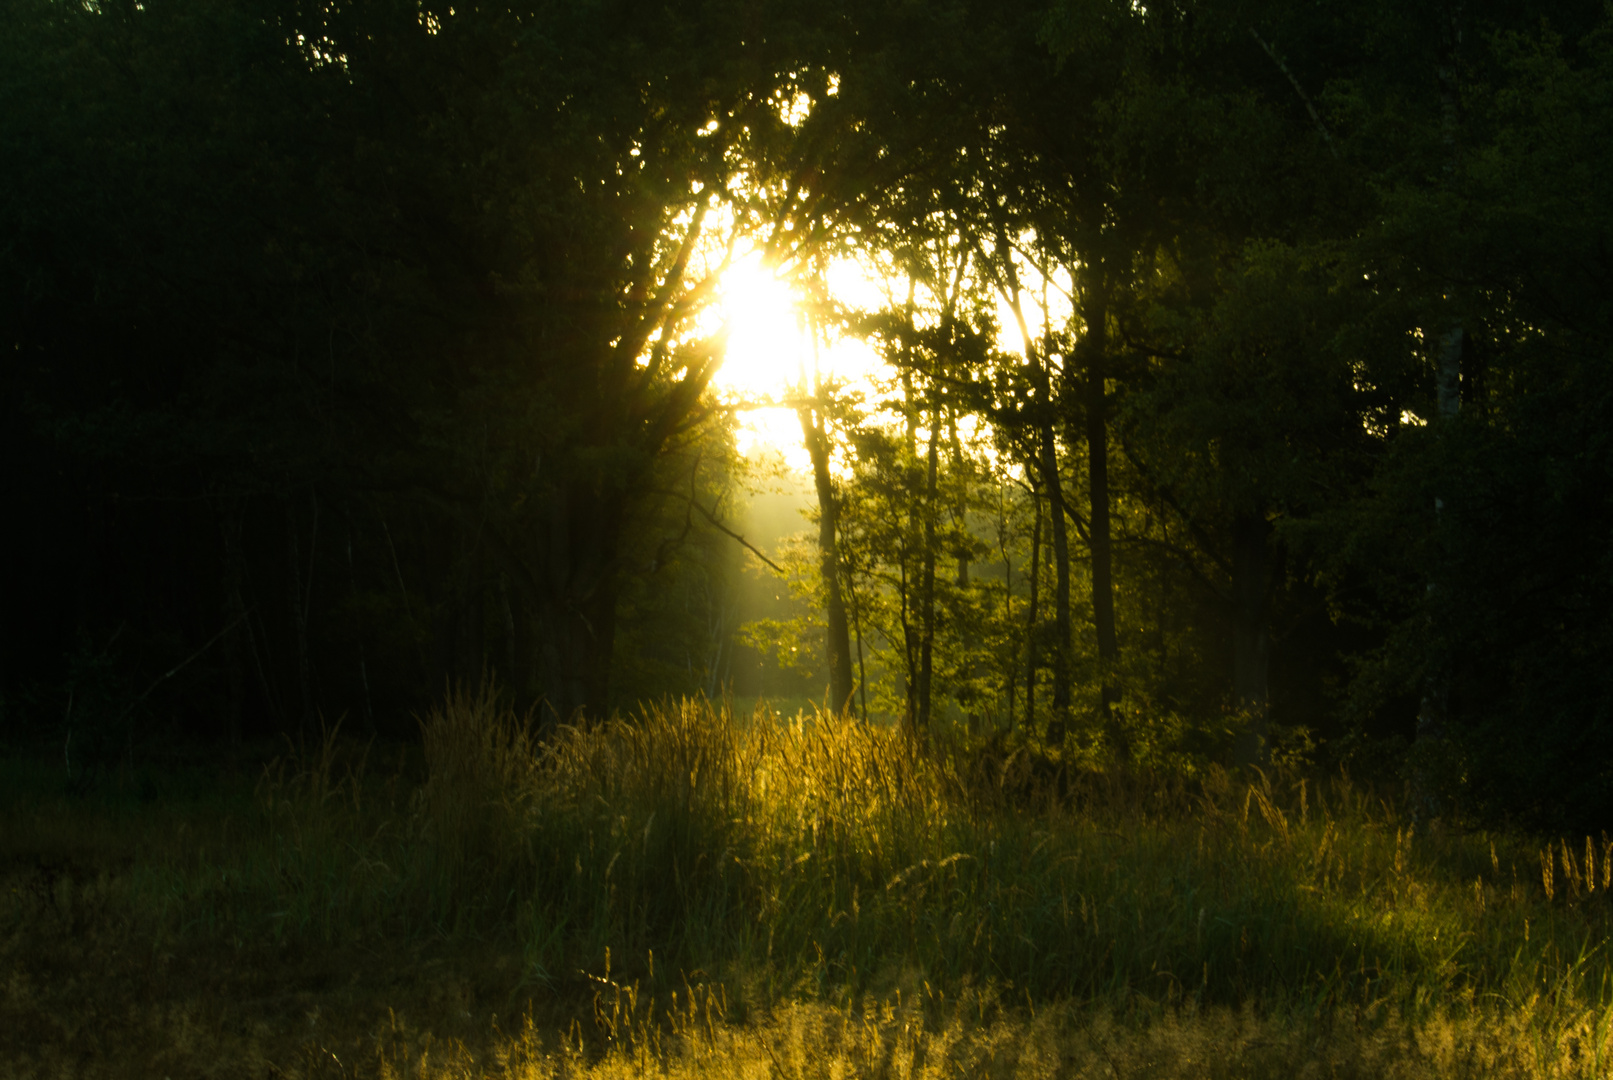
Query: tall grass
(764, 862)
(977, 1038)
(818, 854)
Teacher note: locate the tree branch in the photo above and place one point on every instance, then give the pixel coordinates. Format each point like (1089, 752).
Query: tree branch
(177, 668)
(726, 531)
(1316, 117)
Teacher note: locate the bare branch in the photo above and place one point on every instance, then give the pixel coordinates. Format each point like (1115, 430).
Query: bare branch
(725, 530)
(177, 668)
(1316, 117)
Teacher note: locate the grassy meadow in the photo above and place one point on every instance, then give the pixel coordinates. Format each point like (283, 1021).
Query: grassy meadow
(695, 893)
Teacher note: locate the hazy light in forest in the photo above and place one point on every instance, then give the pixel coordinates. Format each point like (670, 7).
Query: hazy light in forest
(776, 352)
(772, 356)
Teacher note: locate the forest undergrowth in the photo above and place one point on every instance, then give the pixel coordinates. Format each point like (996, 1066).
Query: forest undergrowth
(694, 893)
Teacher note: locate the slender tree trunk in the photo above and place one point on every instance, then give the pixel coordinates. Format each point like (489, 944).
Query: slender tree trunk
(1039, 362)
(857, 627)
(968, 628)
(1011, 680)
(1094, 348)
(1031, 659)
(1251, 635)
(927, 581)
(960, 506)
(910, 413)
(910, 646)
(717, 613)
(837, 644)
(1058, 724)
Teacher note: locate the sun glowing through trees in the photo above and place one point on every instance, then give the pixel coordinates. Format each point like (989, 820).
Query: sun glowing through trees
(778, 351)
(775, 352)
(768, 343)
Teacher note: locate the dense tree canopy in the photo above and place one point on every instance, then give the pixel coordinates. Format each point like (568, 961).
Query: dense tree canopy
(1246, 368)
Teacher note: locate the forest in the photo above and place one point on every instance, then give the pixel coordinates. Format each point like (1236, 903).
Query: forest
(1184, 423)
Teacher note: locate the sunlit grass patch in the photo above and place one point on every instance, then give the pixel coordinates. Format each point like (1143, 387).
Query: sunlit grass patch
(781, 874)
(976, 1037)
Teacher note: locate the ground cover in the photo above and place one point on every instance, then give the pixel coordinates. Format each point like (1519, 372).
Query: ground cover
(698, 894)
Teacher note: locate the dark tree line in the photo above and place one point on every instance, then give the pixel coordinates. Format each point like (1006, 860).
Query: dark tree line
(357, 348)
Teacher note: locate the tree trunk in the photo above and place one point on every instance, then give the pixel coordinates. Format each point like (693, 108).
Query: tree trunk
(927, 582)
(1058, 724)
(1010, 683)
(1094, 347)
(1030, 619)
(1039, 363)
(837, 640)
(1251, 635)
(968, 628)
(1048, 467)
(857, 627)
(910, 646)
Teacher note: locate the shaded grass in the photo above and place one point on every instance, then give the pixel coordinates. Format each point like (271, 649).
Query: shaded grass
(796, 872)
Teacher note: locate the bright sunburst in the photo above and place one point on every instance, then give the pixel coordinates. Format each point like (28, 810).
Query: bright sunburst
(772, 352)
(768, 345)
(768, 351)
